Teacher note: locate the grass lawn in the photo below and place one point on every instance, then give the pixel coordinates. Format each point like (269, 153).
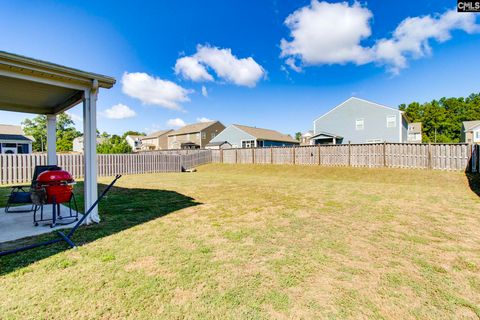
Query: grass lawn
(246, 241)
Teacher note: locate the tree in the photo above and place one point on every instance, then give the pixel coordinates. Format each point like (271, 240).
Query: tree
(113, 144)
(442, 119)
(298, 136)
(37, 127)
(133, 133)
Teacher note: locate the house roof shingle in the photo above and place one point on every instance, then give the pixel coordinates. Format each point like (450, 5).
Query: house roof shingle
(13, 132)
(156, 134)
(266, 134)
(470, 124)
(10, 129)
(192, 128)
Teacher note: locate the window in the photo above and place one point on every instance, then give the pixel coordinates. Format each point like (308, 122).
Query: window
(204, 135)
(374, 141)
(213, 135)
(198, 135)
(391, 121)
(359, 124)
(248, 143)
(477, 134)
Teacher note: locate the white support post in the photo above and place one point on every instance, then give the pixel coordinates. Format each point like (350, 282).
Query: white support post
(51, 139)
(90, 151)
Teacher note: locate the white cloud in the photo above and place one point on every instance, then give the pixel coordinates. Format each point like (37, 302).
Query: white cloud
(327, 33)
(331, 33)
(203, 119)
(411, 38)
(154, 127)
(190, 68)
(75, 117)
(243, 72)
(154, 91)
(177, 122)
(204, 91)
(119, 111)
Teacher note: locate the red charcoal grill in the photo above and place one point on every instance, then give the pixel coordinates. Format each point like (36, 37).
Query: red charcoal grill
(55, 187)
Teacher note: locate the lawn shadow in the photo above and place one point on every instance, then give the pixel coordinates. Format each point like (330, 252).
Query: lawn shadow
(122, 208)
(474, 182)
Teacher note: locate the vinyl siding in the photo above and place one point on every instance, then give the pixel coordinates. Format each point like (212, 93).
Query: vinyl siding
(234, 136)
(342, 121)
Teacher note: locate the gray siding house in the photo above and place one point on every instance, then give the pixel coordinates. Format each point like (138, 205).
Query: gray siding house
(360, 121)
(239, 136)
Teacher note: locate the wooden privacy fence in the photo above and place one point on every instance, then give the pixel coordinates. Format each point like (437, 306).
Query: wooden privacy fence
(391, 155)
(19, 168)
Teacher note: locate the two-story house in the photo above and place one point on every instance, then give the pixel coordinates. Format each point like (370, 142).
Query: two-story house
(194, 136)
(470, 131)
(157, 140)
(360, 121)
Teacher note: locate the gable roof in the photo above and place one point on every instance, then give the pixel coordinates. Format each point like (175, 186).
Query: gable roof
(362, 100)
(155, 134)
(217, 143)
(469, 125)
(11, 129)
(266, 134)
(193, 128)
(13, 132)
(326, 134)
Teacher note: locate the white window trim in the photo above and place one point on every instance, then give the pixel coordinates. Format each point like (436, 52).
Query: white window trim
(394, 122)
(356, 124)
(254, 143)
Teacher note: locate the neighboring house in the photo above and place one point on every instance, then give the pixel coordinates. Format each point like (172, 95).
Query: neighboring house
(306, 138)
(13, 140)
(218, 145)
(134, 142)
(470, 131)
(414, 132)
(78, 143)
(156, 141)
(194, 136)
(360, 121)
(250, 137)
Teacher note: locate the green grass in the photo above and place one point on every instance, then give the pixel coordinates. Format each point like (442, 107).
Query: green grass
(258, 242)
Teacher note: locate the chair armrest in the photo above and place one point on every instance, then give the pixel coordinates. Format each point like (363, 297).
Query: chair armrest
(19, 188)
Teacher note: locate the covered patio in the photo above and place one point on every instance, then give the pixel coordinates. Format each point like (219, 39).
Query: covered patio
(38, 87)
(326, 138)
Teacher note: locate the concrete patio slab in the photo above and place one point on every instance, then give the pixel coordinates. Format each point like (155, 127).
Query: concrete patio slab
(19, 225)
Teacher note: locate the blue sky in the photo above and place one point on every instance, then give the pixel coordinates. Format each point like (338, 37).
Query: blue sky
(249, 76)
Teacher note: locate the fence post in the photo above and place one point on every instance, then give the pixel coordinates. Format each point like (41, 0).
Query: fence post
(271, 155)
(293, 155)
(319, 155)
(349, 154)
(236, 155)
(221, 155)
(429, 159)
(384, 153)
(253, 155)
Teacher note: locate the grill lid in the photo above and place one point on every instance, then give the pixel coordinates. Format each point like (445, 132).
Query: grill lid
(54, 176)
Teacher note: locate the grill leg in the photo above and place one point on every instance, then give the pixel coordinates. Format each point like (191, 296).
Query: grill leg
(54, 212)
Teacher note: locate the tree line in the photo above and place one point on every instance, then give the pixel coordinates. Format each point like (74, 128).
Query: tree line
(66, 133)
(442, 119)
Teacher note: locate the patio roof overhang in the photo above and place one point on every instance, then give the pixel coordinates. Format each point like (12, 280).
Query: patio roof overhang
(35, 86)
(40, 87)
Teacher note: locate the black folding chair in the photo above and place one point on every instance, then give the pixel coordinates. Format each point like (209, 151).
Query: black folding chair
(22, 195)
